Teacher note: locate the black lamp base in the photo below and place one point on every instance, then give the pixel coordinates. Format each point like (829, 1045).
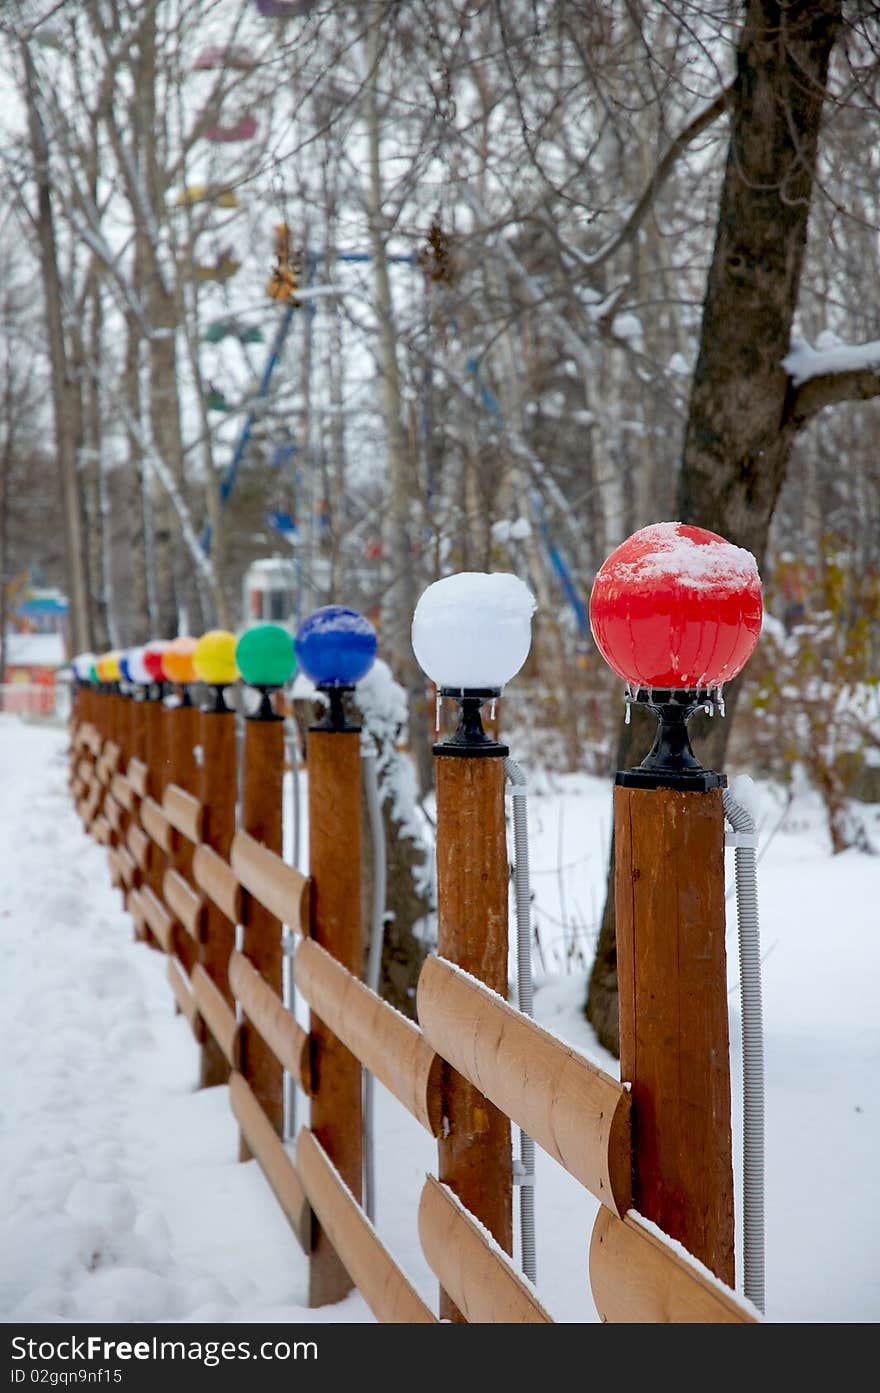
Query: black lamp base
(335, 718)
(671, 762)
(470, 740)
(265, 711)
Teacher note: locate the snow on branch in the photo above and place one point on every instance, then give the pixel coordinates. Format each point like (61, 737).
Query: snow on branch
(826, 375)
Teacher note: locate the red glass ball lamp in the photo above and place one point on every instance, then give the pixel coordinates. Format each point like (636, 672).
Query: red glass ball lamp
(154, 665)
(676, 612)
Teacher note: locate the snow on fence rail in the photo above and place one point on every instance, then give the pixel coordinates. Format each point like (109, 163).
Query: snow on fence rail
(188, 878)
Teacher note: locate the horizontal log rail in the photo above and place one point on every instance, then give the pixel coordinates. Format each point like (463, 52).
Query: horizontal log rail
(186, 906)
(216, 878)
(156, 824)
(138, 776)
(385, 1042)
(267, 1013)
(138, 844)
(384, 1286)
(123, 792)
(575, 1111)
(157, 918)
(92, 739)
(280, 888)
(134, 905)
(127, 867)
(113, 813)
(639, 1276)
(216, 1012)
(478, 1275)
(184, 998)
(115, 869)
(274, 1161)
(184, 812)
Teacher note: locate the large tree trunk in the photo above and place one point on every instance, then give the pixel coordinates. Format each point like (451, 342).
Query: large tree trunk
(740, 424)
(401, 467)
(65, 390)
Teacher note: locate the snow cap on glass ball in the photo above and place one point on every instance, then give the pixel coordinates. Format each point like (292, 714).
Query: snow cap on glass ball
(472, 631)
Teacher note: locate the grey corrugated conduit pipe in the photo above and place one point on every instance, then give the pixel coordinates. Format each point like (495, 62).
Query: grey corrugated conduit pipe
(525, 1176)
(744, 840)
(374, 956)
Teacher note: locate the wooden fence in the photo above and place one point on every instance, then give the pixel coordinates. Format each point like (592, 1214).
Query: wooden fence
(156, 786)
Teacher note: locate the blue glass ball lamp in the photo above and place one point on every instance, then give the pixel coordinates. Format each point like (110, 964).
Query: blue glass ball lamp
(336, 647)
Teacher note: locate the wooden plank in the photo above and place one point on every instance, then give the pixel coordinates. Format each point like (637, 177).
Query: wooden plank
(134, 905)
(266, 1011)
(184, 997)
(637, 1276)
(113, 864)
(478, 1275)
(123, 792)
(672, 979)
(219, 882)
(127, 867)
(274, 1161)
(157, 918)
(216, 1013)
(113, 813)
(385, 1042)
(138, 844)
(280, 888)
(186, 906)
(183, 811)
(156, 824)
(92, 740)
(384, 1286)
(138, 776)
(575, 1111)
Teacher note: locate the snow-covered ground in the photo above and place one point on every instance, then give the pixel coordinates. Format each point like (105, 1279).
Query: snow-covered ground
(120, 1194)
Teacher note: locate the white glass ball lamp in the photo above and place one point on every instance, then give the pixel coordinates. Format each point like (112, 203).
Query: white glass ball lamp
(472, 631)
(139, 674)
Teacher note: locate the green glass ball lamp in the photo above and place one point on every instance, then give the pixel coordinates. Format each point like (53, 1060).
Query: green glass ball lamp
(266, 658)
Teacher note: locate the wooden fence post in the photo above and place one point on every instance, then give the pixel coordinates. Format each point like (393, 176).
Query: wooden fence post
(472, 897)
(669, 897)
(334, 782)
(262, 781)
(181, 733)
(219, 793)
